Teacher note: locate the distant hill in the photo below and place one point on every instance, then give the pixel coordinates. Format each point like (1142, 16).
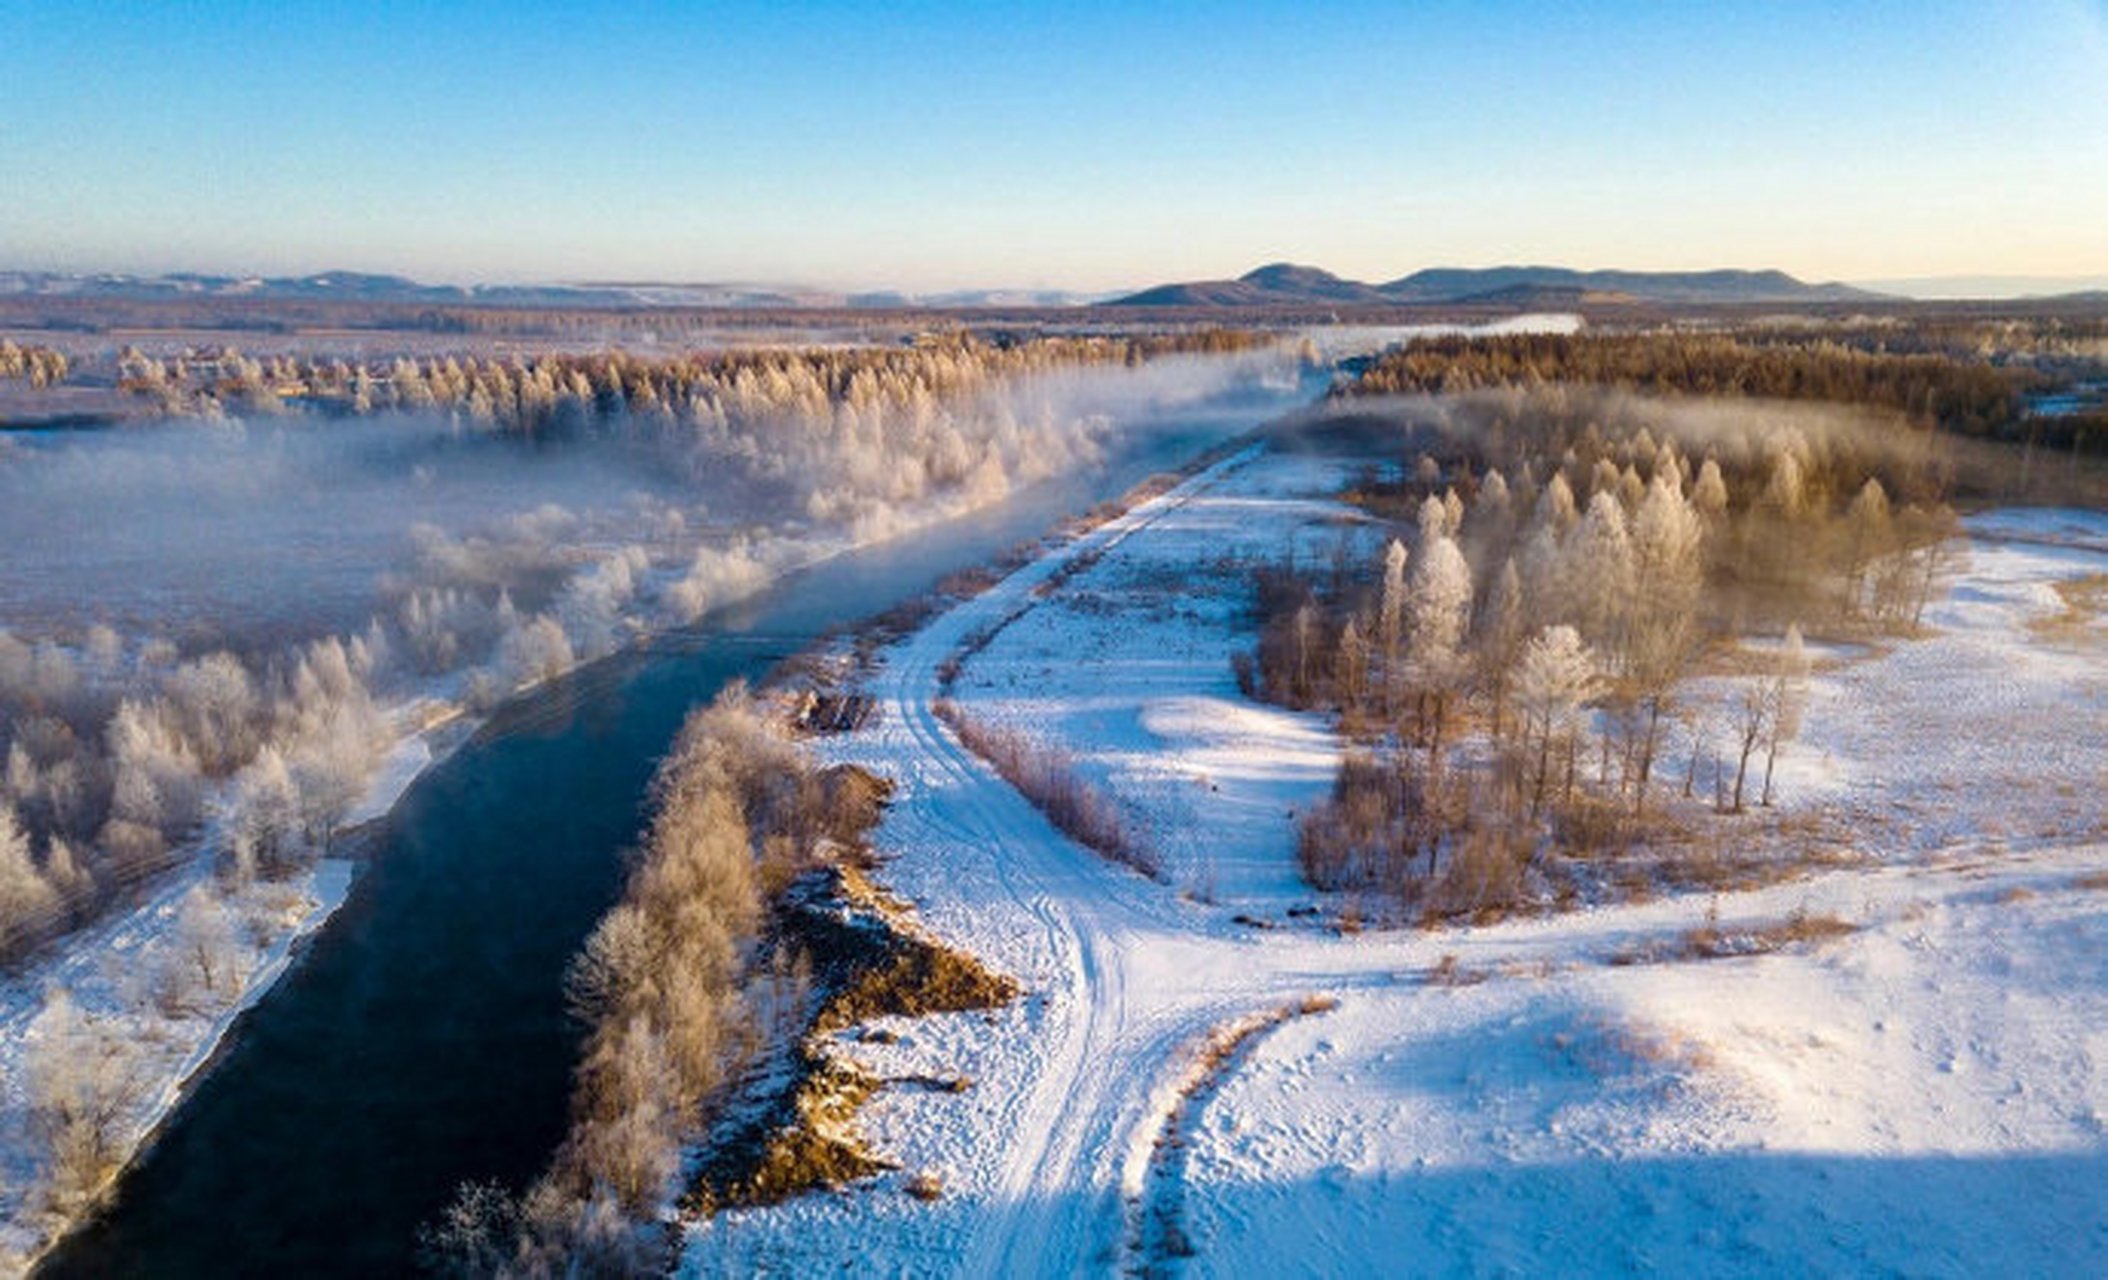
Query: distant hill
(1284, 284)
(1451, 284)
(358, 286)
(1276, 284)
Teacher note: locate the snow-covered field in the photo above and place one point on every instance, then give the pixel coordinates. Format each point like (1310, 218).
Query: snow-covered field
(1923, 1095)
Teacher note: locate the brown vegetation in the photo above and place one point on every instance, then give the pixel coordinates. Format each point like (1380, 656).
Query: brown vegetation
(1157, 1230)
(2085, 602)
(1047, 778)
(1712, 941)
(746, 927)
(870, 962)
(37, 365)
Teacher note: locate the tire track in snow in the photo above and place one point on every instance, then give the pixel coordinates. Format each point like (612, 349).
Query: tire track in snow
(1038, 1208)
(1152, 1183)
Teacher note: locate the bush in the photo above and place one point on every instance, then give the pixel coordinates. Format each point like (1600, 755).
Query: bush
(1047, 778)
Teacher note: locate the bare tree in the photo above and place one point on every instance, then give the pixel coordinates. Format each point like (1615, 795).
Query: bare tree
(83, 1079)
(199, 972)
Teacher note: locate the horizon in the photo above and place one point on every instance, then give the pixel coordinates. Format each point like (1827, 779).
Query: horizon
(1956, 287)
(1091, 151)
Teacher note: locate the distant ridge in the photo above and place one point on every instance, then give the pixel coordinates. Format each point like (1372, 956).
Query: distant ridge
(1287, 284)
(359, 286)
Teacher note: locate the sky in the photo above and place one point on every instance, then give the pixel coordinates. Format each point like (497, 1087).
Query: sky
(1088, 146)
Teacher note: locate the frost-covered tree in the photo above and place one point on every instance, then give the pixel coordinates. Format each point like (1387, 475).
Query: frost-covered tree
(27, 900)
(1786, 491)
(1789, 700)
(1556, 508)
(535, 650)
(1303, 636)
(1390, 623)
(1545, 584)
(199, 971)
(1350, 670)
(264, 819)
(68, 876)
(83, 1078)
(1868, 533)
(1668, 573)
(1599, 566)
(1440, 610)
(1554, 677)
(1709, 493)
(1502, 630)
(214, 705)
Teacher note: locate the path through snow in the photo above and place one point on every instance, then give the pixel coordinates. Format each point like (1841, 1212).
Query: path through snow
(1924, 1095)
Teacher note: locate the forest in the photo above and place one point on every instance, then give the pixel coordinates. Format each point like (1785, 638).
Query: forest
(1580, 655)
(1969, 396)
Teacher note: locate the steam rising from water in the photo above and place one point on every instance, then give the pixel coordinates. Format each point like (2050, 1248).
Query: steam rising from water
(251, 534)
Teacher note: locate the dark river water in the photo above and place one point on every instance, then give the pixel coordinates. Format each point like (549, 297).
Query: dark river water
(422, 1041)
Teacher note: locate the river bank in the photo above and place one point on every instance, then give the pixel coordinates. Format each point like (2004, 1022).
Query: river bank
(413, 1048)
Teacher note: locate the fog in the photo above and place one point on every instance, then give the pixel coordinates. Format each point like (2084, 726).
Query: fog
(1741, 434)
(250, 534)
(234, 618)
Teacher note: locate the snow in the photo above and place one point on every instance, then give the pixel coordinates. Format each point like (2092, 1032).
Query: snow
(1151, 712)
(107, 970)
(1923, 1095)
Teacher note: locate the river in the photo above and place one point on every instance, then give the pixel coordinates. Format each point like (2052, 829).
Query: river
(422, 1041)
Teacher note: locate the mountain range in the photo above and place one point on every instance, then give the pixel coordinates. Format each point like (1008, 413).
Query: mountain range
(1277, 285)
(1287, 284)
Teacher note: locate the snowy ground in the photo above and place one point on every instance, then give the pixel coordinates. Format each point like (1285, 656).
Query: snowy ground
(1924, 1095)
(108, 971)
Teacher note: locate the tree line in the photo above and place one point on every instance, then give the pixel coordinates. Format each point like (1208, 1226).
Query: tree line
(39, 366)
(1970, 397)
(535, 394)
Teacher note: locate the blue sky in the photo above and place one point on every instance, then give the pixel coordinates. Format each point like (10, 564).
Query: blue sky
(1081, 145)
